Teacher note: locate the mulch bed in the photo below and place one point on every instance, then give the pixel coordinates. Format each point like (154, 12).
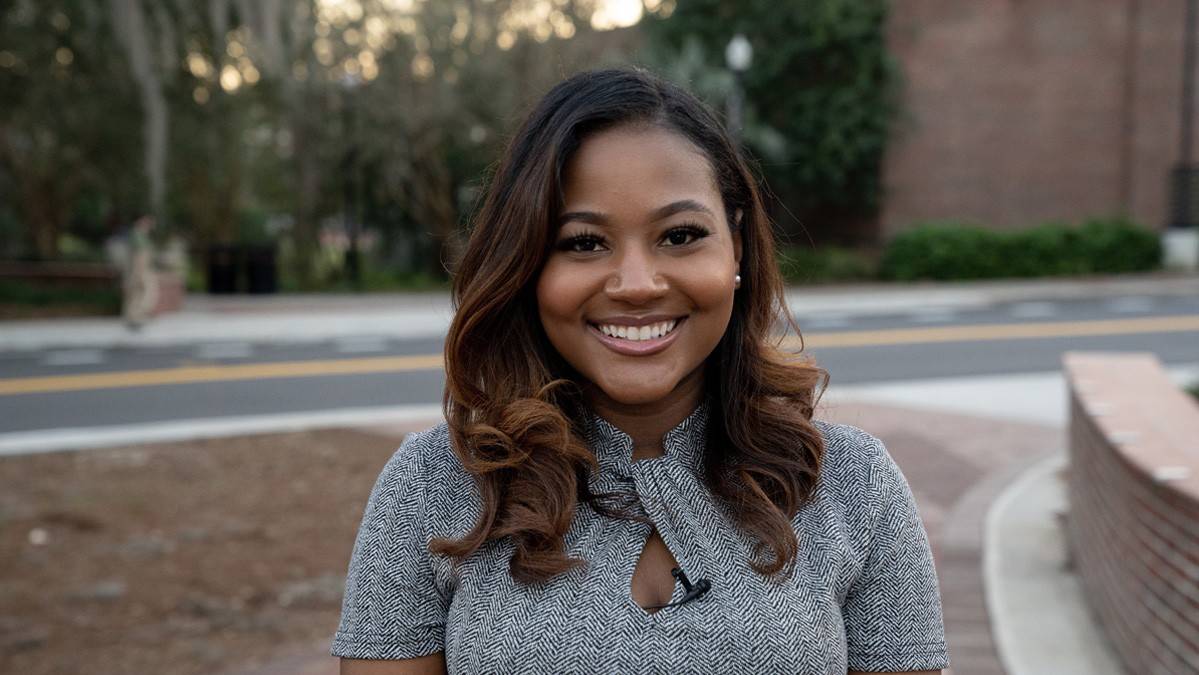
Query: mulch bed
(190, 557)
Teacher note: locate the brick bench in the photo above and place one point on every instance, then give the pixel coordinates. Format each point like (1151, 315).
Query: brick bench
(92, 276)
(1133, 489)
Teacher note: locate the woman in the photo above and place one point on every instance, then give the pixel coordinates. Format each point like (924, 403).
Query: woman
(629, 478)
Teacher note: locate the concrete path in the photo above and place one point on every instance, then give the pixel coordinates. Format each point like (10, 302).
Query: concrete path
(1026, 563)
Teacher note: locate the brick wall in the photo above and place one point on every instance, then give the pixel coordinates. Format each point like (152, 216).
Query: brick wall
(1021, 111)
(1133, 522)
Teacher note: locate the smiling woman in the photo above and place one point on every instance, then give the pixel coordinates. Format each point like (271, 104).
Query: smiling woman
(644, 264)
(630, 478)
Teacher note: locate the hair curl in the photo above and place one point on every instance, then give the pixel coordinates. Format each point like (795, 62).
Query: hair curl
(514, 406)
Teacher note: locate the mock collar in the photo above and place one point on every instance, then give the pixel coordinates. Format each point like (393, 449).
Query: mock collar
(683, 445)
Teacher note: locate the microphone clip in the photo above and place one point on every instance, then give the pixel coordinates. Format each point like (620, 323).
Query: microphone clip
(690, 592)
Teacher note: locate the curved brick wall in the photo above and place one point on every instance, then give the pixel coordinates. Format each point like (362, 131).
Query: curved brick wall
(1133, 525)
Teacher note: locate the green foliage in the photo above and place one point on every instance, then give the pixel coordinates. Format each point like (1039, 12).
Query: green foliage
(252, 228)
(76, 249)
(947, 250)
(804, 265)
(69, 123)
(376, 278)
(820, 93)
(19, 299)
(1193, 390)
(1119, 245)
(11, 234)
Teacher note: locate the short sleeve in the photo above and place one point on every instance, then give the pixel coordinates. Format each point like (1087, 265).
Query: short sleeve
(892, 612)
(392, 608)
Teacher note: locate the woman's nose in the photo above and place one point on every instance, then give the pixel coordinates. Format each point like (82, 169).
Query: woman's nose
(635, 279)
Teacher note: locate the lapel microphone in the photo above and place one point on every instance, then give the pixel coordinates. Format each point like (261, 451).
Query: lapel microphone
(691, 592)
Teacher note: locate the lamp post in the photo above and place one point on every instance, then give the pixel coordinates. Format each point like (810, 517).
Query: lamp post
(738, 55)
(1180, 241)
(353, 262)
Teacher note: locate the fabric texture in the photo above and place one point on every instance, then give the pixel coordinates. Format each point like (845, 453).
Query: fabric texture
(863, 594)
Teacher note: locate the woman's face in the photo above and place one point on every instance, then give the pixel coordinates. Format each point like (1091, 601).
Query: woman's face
(639, 287)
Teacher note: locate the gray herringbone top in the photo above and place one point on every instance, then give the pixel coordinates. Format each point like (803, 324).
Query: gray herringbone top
(863, 595)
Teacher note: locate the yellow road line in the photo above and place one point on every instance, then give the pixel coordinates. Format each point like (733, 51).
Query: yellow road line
(1021, 331)
(192, 374)
(258, 371)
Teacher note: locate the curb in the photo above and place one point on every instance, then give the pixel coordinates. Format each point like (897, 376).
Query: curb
(1039, 616)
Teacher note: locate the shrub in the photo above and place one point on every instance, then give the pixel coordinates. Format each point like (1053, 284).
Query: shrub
(1118, 245)
(951, 250)
(944, 250)
(20, 299)
(802, 265)
(1045, 250)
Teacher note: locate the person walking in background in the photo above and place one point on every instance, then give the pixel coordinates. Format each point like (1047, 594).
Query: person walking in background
(139, 288)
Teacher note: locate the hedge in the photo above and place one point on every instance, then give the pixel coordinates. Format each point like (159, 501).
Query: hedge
(948, 250)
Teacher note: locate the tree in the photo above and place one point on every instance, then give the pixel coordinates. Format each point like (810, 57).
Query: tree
(70, 119)
(820, 98)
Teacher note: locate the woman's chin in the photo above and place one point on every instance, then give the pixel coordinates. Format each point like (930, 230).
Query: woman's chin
(631, 394)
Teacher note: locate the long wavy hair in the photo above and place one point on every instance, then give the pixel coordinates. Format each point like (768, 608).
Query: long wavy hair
(515, 408)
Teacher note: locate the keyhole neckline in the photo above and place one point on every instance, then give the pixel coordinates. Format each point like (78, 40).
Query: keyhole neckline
(683, 445)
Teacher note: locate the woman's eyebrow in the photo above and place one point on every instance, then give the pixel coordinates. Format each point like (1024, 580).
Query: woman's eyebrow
(596, 218)
(681, 206)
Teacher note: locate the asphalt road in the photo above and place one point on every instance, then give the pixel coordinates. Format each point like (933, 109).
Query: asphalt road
(68, 388)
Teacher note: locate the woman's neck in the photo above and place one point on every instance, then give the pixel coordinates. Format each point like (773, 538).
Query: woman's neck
(647, 423)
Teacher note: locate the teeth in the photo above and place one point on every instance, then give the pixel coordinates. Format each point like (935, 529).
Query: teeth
(638, 333)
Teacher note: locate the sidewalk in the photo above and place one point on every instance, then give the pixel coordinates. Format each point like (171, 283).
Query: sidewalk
(315, 318)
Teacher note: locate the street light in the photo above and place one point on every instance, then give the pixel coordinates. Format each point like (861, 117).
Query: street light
(350, 83)
(738, 55)
(1180, 241)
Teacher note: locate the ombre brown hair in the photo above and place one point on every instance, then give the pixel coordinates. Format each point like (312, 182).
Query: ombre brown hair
(515, 408)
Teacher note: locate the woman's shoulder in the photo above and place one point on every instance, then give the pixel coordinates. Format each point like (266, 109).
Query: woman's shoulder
(425, 463)
(857, 471)
(849, 451)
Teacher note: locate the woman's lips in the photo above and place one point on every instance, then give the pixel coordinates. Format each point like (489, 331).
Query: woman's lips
(636, 347)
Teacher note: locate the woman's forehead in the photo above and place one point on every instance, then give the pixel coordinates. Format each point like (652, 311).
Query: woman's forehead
(639, 166)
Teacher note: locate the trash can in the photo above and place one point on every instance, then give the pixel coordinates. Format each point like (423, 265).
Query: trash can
(222, 269)
(261, 270)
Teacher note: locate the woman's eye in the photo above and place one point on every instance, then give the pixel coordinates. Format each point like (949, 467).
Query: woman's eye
(581, 244)
(680, 236)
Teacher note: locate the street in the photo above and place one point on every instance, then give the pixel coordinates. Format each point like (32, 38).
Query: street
(101, 387)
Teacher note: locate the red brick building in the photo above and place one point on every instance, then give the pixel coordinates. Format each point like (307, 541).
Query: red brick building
(1017, 112)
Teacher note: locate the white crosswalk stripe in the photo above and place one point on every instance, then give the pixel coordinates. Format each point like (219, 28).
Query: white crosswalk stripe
(933, 315)
(1133, 304)
(360, 345)
(1033, 310)
(73, 357)
(224, 350)
(823, 321)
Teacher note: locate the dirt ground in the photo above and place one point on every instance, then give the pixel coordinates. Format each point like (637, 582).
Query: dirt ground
(189, 557)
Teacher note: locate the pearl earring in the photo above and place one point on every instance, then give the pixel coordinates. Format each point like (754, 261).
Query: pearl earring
(736, 281)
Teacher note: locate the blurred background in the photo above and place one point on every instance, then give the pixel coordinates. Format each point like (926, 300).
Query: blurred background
(341, 145)
(225, 234)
